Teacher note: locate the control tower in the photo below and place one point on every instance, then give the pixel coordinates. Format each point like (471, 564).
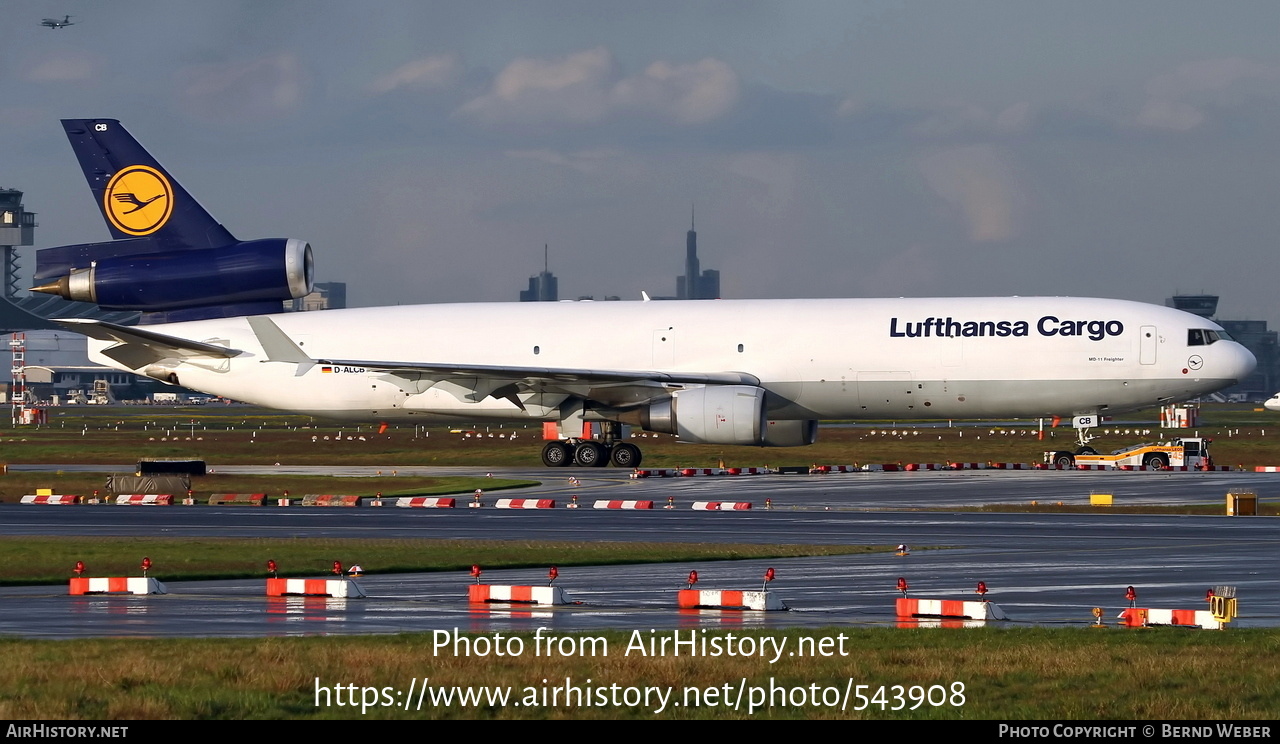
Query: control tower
(17, 228)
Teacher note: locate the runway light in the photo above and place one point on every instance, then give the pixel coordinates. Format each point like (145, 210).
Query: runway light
(1208, 595)
(1131, 594)
(271, 568)
(79, 569)
(337, 568)
(146, 565)
(769, 575)
(475, 572)
(552, 575)
(693, 578)
(902, 585)
(982, 590)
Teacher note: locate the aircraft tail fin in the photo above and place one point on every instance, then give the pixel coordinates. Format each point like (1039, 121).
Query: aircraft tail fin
(136, 195)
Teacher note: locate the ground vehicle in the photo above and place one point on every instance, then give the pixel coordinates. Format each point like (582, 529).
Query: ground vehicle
(1191, 452)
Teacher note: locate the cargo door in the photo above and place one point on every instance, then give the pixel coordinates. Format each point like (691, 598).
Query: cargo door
(1147, 345)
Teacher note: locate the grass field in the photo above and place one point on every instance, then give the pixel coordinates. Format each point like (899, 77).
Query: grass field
(46, 560)
(975, 674)
(244, 435)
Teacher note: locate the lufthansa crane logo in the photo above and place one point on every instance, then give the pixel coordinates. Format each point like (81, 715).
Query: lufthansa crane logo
(138, 200)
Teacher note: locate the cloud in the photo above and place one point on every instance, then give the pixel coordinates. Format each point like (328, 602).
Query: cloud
(1166, 105)
(63, 69)
(583, 161)
(978, 181)
(268, 86)
(584, 88)
(436, 71)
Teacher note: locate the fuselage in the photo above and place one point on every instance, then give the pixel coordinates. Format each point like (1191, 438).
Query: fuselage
(816, 359)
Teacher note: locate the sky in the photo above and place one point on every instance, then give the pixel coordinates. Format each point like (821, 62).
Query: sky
(428, 150)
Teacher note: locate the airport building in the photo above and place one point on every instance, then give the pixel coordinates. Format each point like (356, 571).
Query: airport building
(324, 296)
(1252, 334)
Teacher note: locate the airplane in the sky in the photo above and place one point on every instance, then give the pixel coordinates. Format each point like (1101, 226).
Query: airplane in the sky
(55, 23)
(728, 372)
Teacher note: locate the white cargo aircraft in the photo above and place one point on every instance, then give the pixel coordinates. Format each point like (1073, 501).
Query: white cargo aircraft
(1273, 403)
(738, 372)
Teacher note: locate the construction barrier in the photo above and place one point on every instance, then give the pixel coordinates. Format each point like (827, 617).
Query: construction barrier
(1267, 469)
(967, 466)
(314, 588)
(425, 502)
(237, 499)
(824, 469)
(912, 467)
(656, 473)
(313, 499)
(968, 610)
(728, 600)
(145, 499)
(885, 468)
(689, 472)
(747, 471)
(604, 504)
(721, 505)
(539, 595)
(1138, 617)
(525, 504)
(51, 499)
(1010, 466)
(117, 585)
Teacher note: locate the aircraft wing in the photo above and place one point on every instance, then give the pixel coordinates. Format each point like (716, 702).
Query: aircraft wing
(137, 347)
(523, 386)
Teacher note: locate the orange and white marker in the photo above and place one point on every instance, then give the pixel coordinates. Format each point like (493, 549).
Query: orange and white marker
(949, 608)
(425, 502)
(117, 585)
(1141, 617)
(313, 588)
(538, 595)
(606, 504)
(709, 599)
(145, 499)
(56, 499)
(721, 505)
(525, 504)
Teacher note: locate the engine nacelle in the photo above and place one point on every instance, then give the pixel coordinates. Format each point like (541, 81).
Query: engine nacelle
(250, 271)
(790, 433)
(715, 414)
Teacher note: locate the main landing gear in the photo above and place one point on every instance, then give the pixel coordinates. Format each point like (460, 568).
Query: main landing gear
(589, 453)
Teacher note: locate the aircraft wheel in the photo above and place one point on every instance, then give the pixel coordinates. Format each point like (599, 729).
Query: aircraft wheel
(625, 455)
(556, 455)
(1086, 450)
(589, 455)
(1155, 462)
(1064, 460)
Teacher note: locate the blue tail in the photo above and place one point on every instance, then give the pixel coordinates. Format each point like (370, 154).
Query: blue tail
(169, 257)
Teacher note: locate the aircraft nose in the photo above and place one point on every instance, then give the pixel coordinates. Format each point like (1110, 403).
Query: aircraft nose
(1241, 362)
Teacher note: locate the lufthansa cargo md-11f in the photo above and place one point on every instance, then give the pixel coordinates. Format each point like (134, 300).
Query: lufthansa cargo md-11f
(741, 372)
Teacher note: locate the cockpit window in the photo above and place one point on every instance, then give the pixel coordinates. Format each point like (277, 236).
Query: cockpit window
(1204, 336)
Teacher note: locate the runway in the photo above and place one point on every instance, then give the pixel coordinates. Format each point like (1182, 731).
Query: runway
(1042, 569)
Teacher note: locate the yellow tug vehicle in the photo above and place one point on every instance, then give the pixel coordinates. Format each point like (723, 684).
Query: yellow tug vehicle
(1187, 452)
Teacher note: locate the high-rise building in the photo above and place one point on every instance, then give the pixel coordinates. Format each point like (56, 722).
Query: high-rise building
(696, 284)
(324, 296)
(543, 287)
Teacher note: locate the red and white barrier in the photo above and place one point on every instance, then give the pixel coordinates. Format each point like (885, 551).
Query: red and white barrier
(56, 499)
(425, 502)
(907, 607)
(747, 471)
(539, 595)
(314, 588)
(721, 505)
(1133, 617)
(117, 585)
(656, 473)
(967, 465)
(728, 600)
(605, 504)
(145, 499)
(1267, 469)
(824, 469)
(912, 467)
(888, 467)
(1009, 466)
(1093, 467)
(525, 504)
(690, 472)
